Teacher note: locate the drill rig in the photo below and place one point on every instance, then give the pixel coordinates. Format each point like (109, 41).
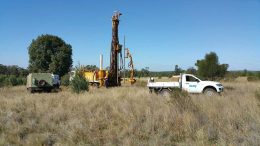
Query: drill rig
(110, 78)
(131, 66)
(114, 77)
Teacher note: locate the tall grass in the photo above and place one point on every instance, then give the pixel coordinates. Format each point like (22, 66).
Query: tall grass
(130, 116)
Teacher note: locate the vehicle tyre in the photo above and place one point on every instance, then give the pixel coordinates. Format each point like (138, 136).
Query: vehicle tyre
(165, 93)
(42, 82)
(210, 92)
(96, 85)
(48, 90)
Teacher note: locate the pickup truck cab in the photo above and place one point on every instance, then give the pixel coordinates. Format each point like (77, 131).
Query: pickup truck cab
(187, 82)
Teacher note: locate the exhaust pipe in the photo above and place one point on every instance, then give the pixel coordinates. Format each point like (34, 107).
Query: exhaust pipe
(101, 62)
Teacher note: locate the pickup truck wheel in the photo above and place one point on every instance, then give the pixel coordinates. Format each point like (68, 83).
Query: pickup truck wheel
(165, 93)
(210, 92)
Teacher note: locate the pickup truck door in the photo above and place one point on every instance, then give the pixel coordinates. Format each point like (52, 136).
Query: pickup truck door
(190, 84)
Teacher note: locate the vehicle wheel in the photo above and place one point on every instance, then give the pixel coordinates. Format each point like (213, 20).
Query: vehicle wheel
(96, 85)
(210, 92)
(42, 82)
(48, 90)
(165, 93)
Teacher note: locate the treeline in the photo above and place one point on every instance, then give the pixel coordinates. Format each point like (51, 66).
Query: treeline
(251, 75)
(12, 75)
(229, 75)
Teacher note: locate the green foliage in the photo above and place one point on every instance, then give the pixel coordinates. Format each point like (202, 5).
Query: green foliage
(3, 81)
(90, 67)
(252, 78)
(191, 70)
(159, 76)
(145, 72)
(177, 70)
(244, 73)
(11, 80)
(65, 80)
(13, 70)
(210, 67)
(79, 84)
(50, 53)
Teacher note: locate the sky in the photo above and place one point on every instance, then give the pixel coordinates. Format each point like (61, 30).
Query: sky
(160, 34)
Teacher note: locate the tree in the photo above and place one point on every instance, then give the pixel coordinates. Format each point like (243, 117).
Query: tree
(50, 53)
(90, 67)
(145, 72)
(177, 70)
(191, 70)
(210, 67)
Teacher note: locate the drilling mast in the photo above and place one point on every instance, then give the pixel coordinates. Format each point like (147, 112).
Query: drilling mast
(114, 78)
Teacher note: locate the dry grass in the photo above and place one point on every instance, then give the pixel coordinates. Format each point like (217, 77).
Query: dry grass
(130, 116)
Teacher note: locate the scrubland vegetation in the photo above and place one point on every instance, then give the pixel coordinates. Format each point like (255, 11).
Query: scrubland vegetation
(130, 116)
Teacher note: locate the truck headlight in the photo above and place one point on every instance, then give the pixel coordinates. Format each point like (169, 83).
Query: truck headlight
(219, 85)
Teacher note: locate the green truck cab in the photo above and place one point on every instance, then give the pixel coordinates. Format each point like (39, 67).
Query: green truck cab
(42, 82)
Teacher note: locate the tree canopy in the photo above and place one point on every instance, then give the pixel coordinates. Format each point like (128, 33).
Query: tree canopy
(12, 70)
(210, 68)
(49, 53)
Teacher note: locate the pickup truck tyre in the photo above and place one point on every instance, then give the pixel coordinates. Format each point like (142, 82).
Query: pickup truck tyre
(165, 93)
(210, 92)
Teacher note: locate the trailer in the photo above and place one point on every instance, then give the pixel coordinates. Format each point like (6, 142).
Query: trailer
(42, 82)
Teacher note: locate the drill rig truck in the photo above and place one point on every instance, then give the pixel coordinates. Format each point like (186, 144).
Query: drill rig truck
(111, 77)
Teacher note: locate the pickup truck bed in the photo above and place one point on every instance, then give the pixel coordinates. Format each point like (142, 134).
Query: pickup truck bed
(163, 84)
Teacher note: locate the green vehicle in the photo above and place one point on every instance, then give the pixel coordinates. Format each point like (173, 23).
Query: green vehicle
(42, 82)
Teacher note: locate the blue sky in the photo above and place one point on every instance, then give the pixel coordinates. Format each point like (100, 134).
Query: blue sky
(160, 34)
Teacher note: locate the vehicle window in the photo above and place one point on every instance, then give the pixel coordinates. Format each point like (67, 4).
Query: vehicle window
(191, 79)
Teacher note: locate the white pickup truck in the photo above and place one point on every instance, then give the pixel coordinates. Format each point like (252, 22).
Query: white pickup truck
(187, 82)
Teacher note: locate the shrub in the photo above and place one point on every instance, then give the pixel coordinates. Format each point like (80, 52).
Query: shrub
(252, 78)
(3, 81)
(65, 80)
(182, 100)
(79, 84)
(11, 80)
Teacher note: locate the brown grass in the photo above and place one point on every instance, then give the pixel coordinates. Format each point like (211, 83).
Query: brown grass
(130, 116)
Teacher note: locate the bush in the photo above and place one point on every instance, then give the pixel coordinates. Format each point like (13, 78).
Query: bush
(252, 78)
(65, 80)
(11, 80)
(3, 81)
(79, 84)
(183, 100)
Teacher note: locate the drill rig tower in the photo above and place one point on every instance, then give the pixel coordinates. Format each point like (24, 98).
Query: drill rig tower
(114, 78)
